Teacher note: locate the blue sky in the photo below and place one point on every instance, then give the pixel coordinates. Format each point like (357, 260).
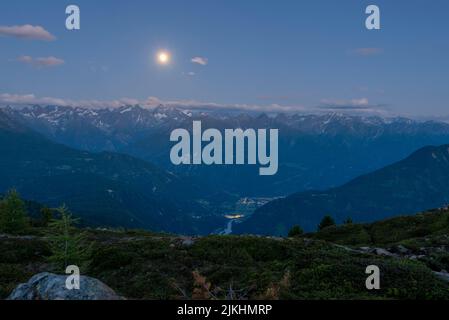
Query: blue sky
(260, 54)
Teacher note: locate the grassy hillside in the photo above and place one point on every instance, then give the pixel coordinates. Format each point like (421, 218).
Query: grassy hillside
(324, 265)
(433, 224)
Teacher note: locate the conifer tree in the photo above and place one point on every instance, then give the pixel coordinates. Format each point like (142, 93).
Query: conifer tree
(295, 231)
(327, 221)
(68, 245)
(13, 215)
(46, 216)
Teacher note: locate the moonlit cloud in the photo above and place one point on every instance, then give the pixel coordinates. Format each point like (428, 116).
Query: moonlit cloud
(41, 62)
(150, 102)
(27, 99)
(368, 51)
(356, 105)
(200, 60)
(344, 104)
(27, 32)
(201, 105)
(362, 105)
(31, 99)
(362, 102)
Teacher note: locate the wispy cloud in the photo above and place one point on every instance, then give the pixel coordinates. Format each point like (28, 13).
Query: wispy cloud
(276, 98)
(28, 99)
(200, 60)
(354, 106)
(368, 51)
(189, 74)
(31, 99)
(41, 62)
(150, 102)
(27, 32)
(201, 105)
(361, 104)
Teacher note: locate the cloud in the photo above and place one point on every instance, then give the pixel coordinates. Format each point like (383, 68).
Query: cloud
(213, 106)
(31, 99)
(189, 74)
(150, 102)
(356, 105)
(27, 32)
(41, 62)
(27, 99)
(276, 98)
(200, 60)
(368, 51)
(361, 104)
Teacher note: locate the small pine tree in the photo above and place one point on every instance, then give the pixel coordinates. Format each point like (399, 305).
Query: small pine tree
(296, 231)
(13, 215)
(67, 244)
(46, 216)
(327, 221)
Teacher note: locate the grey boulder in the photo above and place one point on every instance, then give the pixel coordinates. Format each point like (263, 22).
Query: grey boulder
(443, 275)
(48, 286)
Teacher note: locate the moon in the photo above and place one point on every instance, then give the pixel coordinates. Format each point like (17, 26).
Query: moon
(163, 57)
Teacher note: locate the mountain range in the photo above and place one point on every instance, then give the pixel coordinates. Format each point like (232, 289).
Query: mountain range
(112, 167)
(417, 183)
(104, 189)
(316, 151)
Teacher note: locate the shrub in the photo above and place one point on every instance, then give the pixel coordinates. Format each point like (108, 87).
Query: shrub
(296, 231)
(327, 221)
(348, 221)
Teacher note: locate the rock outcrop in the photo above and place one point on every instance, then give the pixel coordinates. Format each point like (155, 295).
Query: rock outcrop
(48, 286)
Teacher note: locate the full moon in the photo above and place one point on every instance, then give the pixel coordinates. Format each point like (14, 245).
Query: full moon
(163, 57)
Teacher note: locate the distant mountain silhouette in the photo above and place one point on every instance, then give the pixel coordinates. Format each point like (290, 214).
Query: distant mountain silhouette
(104, 189)
(417, 183)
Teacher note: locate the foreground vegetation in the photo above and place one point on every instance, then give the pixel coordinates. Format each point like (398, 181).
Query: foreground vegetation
(323, 265)
(428, 228)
